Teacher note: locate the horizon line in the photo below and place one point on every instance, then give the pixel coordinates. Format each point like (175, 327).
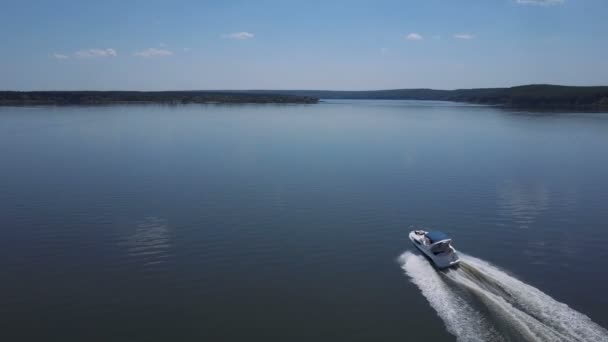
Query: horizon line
(309, 89)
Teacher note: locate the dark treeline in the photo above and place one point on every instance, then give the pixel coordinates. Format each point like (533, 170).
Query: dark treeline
(121, 97)
(533, 96)
(529, 96)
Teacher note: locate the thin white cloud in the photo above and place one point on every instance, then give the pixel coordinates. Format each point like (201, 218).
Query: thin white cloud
(463, 36)
(414, 36)
(540, 2)
(59, 56)
(94, 53)
(187, 49)
(238, 35)
(384, 51)
(153, 52)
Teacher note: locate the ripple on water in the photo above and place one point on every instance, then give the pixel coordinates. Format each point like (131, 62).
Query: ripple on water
(151, 243)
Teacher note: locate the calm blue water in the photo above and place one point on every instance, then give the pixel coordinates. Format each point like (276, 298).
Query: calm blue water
(290, 222)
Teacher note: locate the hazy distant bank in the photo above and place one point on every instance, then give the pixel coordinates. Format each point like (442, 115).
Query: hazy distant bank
(124, 97)
(528, 96)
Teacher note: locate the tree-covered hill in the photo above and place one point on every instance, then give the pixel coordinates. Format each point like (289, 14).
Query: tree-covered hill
(541, 96)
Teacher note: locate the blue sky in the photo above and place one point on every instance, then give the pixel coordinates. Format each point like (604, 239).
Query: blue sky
(170, 45)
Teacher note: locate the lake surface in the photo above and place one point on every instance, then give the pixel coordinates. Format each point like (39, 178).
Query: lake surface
(290, 223)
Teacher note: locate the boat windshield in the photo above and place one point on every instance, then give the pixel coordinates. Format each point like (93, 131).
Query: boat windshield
(441, 247)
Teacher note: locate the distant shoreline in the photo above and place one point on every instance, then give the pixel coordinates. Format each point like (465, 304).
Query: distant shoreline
(20, 98)
(540, 96)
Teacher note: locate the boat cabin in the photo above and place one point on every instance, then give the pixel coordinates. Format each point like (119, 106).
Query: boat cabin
(440, 242)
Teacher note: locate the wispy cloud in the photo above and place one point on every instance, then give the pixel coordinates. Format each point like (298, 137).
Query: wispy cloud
(384, 51)
(95, 53)
(413, 36)
(153, 52)
(540, 2)
(238, 35)
(464, 36)
(187, 49)
(59, 56)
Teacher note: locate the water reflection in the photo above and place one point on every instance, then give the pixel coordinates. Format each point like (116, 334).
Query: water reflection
(522, 204)
(150, 242)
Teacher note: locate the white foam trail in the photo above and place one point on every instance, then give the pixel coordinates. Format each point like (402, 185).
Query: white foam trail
(479, 302)
(461, 319)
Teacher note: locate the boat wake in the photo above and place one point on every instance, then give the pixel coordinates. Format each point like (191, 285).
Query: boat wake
(479, 302)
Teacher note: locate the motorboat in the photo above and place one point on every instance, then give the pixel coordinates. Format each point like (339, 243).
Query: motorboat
(437, 246)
